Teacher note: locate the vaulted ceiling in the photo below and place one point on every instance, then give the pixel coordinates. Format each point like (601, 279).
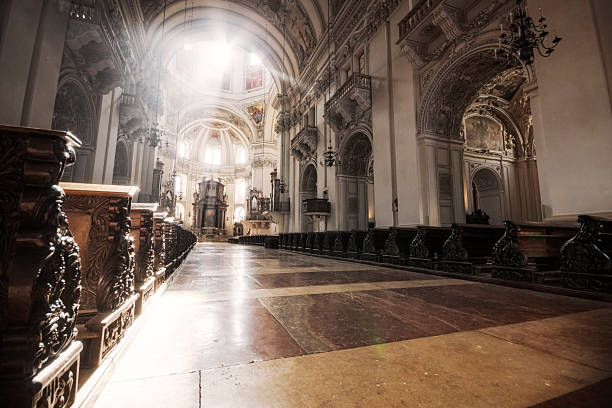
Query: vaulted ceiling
(284, 32)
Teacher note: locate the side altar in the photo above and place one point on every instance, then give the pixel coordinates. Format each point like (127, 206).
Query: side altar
(210, 206)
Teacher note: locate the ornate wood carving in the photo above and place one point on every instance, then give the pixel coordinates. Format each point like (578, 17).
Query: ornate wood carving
(453, 249)
(391, 247)
(368, 243)
(418, 247)
(102, 226)
(40, 271)
(582, 254)
(506, 251)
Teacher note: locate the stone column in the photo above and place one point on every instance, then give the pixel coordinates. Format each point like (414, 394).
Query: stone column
(31, 51)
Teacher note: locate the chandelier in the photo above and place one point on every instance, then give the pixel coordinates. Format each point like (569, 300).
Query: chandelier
(155, 135)
(525, 36)
(330, 157)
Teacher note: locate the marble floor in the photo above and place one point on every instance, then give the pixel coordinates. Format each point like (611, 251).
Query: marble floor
(243, 326)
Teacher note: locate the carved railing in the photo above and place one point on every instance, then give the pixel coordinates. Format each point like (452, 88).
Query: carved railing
(351, 103)
(415, 16)
(280, 206)
(356, 81)
(160, 249)
(304, 144)
(316, 206)
(142, 232)
(40, 271)
(100, 219)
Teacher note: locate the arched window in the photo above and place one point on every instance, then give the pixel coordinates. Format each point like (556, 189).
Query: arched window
(241, 154)
(183, 149)
(239, 214)
(212, 154)
(240, 194)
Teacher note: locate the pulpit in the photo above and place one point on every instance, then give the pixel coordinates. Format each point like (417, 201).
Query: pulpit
(210, 207)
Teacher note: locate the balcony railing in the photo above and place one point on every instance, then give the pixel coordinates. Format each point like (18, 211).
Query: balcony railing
(281, 206)
(356, 81)
(316, 206)
(415, 16)
(304, 144)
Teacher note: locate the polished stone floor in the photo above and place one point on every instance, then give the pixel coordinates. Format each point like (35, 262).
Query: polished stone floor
(244, 326)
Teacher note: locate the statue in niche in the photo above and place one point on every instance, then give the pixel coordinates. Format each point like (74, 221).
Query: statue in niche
(509, 142)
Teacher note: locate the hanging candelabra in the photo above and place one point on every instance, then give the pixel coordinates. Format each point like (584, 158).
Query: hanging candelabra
(524, 36)
(330, 158)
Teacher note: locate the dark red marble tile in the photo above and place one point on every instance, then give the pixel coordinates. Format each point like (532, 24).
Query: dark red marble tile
(598, 395)
(500, 304)
(336, 321)
(282, 280)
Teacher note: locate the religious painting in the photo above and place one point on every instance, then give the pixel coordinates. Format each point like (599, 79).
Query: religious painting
(483, 133)
(253, 79)
(256, 112)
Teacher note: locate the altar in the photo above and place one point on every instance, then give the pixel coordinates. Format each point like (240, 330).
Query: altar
(210, 205)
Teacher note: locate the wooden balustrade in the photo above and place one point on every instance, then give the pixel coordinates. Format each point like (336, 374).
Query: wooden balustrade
(99, 216)
(469, 246)
(40, 271)
(143, 235)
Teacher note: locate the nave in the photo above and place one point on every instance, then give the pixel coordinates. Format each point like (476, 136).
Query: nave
(244, 326)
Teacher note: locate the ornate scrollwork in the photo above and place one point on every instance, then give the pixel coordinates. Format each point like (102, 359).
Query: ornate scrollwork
(144, 268)
(581, 253)
(309, 239)
(368, 243)
(418, 247)
(339, 244)
(506, 252)
(391, 247)
(453, 249)
(39, 260)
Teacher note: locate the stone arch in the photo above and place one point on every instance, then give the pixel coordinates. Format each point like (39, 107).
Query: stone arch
(74, 111)
(489, 192)
(121, 169)
(308, 181)
(449, 90)
(355, 154)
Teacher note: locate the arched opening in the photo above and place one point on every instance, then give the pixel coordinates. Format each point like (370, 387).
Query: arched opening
(121, 174)
(477, 102)
(487, 192)
(308, 189)
(355, 182)
(73, 111)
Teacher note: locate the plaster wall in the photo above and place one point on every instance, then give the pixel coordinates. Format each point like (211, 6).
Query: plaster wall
(573, 138)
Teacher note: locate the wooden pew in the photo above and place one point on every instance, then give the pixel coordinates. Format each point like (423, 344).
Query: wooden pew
(271, 241)
(160, 248)
(171, 245)
(302, 242)
(397, 245)
(40, 272)
(317, 243)
(530, 252)
(468, 246)
(142, 233)
(341, 244)
(328, 242)
(374, 244)
(309, 242)
(100, 222)
(586, 258)
(355, 246)
(426, 247)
